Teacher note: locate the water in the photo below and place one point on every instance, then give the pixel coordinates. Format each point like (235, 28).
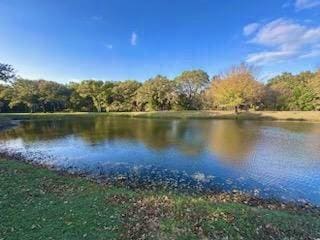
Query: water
(270, 159)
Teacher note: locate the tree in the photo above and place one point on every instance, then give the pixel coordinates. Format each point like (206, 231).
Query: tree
(190, 85)
(37, 95)
(6, 72)
(123, 96)
(279, 91)
(293, 92)
(235, 88)
(5, 97)
(156, 94)
(314, 86)
(303, 96)
(25, 92)
(76, 102)
(52, 96)
(98, 91)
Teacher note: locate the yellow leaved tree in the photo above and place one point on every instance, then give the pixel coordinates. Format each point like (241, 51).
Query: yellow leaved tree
(237, 87)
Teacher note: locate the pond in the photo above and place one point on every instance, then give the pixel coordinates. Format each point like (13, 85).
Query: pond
(269, 159)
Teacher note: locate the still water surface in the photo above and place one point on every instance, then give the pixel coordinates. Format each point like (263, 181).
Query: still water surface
(269, 159)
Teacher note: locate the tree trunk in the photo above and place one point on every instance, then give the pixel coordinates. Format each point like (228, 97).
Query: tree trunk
(98, 108)
(236, 110)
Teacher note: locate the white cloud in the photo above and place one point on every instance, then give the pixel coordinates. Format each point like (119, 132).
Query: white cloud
(269, 56)
(280, 32)
(306, 4)
(133, 39)
(250, 28)
(284, 39)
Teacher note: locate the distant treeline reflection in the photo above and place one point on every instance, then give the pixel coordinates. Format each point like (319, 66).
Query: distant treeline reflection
(228, 139)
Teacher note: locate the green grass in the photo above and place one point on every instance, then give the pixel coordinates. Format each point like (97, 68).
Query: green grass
(36, 203)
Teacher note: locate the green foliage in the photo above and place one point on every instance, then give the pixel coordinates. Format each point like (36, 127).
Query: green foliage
(314, 86)
(77, 103)
(100, 93)
(5, 93)
(190, 85)
(295, 92)
(52, 96)
(123, 96)
(191, 90)
(25, 92)
(156, 94)
(37, 95)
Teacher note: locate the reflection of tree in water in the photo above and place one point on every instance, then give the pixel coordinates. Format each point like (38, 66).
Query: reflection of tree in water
(37, 131)
(232, 141)
(155, 133)
(189, 139)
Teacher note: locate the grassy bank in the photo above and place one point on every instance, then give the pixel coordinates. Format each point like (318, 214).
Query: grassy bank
(252, 115)
(36, 203)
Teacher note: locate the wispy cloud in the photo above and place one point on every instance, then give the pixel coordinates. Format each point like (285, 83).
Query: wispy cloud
(133, 39)
(250, 28)
(284, 39)
(306, 4)
(261, 58)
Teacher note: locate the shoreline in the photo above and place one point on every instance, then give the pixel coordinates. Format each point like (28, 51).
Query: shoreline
(66, 202)
(235, 196)
(299, 116)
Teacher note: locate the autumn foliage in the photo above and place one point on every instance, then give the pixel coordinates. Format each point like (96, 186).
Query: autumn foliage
(238, 87)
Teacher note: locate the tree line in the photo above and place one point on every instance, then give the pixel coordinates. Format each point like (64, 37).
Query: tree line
(237, 88)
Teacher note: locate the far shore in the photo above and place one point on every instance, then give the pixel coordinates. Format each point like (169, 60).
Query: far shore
(311, 116)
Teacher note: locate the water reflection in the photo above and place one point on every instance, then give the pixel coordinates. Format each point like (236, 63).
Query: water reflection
(231, 141)
(280, 156)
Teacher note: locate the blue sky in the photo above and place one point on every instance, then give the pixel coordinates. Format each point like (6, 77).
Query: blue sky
(70, 40)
